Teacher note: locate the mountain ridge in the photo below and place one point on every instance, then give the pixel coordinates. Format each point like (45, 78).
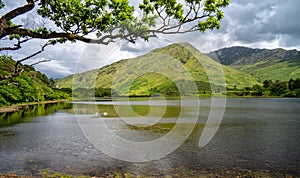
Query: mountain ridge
(240, 55)
(264, 64)
(171, 58)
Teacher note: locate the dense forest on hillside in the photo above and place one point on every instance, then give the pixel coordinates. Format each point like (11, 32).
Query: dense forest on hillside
(30, 86)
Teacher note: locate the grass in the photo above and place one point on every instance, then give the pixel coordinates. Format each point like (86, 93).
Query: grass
(178, 173)
(282, 71)
(47, 173)
(164, 127)
(159, 70)
(157, 128)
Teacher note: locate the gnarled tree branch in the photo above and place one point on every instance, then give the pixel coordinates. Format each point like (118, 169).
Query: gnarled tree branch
(109, 21)
(14, 13)
(17, 45)
(18, 71)
(19, 11)
(51, 35)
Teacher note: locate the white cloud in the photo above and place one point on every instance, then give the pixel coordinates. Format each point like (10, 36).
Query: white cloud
(55, 68)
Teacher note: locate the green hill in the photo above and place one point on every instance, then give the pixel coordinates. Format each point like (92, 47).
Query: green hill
(268, 70)
(264, 64)
(30, 86)
(159, 71)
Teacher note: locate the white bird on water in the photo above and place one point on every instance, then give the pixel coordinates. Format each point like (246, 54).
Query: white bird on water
(102, 114)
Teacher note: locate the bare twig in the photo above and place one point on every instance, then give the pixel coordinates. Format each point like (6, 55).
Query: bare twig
(40, 61)
(18, 71)
(17, 45)
(34, 54)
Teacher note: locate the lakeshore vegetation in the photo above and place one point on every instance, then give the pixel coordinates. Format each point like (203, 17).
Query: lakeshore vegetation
(240, 76)
(33, 86)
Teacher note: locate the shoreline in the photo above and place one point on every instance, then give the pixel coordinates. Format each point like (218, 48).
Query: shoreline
(20, 106)
(177, 174)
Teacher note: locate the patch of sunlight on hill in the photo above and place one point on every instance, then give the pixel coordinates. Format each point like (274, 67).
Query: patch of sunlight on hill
(282, 71)
(158, 70)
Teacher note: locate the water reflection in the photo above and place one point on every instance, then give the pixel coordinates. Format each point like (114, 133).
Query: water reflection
(28, 112)
(257, 135)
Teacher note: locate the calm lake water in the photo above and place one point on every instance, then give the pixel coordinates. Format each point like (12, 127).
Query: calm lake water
(256, 135)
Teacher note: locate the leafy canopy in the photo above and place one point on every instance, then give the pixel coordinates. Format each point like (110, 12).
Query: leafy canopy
(105, 21)
(114, 19)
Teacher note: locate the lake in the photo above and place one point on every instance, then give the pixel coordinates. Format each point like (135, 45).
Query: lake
(257, 136)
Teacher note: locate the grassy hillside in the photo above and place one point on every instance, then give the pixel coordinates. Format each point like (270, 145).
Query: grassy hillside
(30, 86)
(263, 64)
(159, 71)
(83, 79)
(266, 70)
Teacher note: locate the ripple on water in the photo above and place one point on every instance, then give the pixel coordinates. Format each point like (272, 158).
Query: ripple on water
(257, 137)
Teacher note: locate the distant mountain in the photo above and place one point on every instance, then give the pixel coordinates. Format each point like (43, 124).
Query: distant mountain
(124, 76)
(239, 55)
(275, 64)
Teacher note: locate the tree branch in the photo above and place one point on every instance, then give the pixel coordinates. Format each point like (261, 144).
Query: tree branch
(51, 35)
(19, 11)
(40, 61)
(16, 46)
(34, 54)
(18, 71)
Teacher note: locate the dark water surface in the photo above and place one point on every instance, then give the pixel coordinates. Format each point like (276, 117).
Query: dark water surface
(256, 135)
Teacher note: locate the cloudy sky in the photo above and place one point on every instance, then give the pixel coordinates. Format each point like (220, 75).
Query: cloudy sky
(252, 23)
